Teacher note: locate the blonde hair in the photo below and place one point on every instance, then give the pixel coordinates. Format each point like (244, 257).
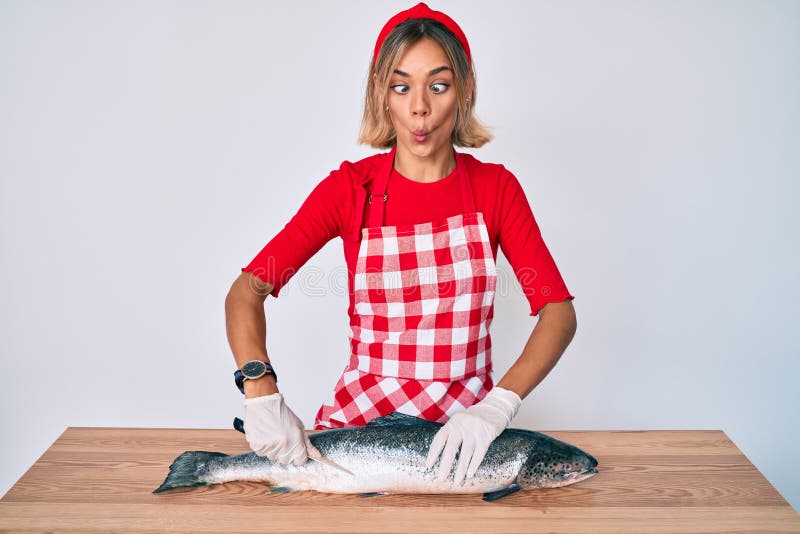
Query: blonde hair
(376, 125)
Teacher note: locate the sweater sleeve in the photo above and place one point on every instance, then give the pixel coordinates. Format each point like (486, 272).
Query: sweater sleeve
(320, 218)
(522, 243)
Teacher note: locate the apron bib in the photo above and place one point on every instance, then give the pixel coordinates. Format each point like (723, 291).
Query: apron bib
(423, 296)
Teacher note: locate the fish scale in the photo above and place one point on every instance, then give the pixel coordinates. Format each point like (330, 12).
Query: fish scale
(388, 456)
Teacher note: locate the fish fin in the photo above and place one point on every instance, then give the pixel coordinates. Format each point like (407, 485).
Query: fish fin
(188, 469)
(494, 495)
(374, 494)
(397, 418)
(281, 489)
(238, 424)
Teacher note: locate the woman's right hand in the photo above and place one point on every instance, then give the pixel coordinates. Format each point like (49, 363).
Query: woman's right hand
(273, 430)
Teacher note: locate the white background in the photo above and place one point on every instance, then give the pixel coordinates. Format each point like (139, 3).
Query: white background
(150, 149)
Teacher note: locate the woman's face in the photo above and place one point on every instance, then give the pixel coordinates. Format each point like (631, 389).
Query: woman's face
(422, 99)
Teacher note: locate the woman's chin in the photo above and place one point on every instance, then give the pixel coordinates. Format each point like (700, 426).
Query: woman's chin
(423, 148)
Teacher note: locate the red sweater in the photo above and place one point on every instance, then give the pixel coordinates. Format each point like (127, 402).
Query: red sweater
(337, 208)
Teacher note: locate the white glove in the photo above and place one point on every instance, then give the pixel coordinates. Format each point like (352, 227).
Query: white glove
(273, 430)
(477, 427)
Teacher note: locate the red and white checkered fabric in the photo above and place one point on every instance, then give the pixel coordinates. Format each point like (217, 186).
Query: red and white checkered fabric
(359, 397)
(424, 301)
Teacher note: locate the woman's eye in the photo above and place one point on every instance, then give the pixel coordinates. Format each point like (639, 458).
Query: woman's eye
(403, 89)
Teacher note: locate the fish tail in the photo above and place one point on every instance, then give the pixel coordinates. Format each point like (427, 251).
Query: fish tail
(189, 469)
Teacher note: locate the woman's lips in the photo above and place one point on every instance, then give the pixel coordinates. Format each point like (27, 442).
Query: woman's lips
(420, 135)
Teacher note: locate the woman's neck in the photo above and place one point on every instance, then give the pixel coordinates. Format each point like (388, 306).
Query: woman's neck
(425, 169)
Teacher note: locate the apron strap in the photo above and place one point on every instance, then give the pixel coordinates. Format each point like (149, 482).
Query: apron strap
(379, 195)
(467, 196)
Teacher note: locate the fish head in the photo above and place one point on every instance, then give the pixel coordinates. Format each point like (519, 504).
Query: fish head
(554, 463)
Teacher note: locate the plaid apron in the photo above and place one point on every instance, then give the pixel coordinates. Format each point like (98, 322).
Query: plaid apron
(423, 296)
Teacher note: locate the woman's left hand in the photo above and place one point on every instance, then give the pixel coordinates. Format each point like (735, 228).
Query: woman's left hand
(473, 430)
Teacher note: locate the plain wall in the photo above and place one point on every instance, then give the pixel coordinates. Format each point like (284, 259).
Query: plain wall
(150, 149)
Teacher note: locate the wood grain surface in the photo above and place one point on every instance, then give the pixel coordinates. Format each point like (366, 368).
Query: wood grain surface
(101, 479)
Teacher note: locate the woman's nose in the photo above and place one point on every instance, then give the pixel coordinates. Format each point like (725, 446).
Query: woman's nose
(420, 105)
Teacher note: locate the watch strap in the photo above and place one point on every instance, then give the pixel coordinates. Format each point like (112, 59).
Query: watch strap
(239, 377)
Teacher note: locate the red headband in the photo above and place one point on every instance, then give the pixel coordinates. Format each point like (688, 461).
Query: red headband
(421, 11)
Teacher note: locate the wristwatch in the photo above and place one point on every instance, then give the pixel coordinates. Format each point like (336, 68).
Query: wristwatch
(252, 370)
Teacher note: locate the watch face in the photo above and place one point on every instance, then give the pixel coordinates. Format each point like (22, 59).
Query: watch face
(254, 369)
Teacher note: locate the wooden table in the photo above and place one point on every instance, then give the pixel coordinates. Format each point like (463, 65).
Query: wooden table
(100, 480)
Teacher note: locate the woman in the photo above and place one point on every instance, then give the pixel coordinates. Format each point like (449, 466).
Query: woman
(420, 225)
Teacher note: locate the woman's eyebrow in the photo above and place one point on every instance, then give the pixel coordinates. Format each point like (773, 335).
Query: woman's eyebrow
(437, 70)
